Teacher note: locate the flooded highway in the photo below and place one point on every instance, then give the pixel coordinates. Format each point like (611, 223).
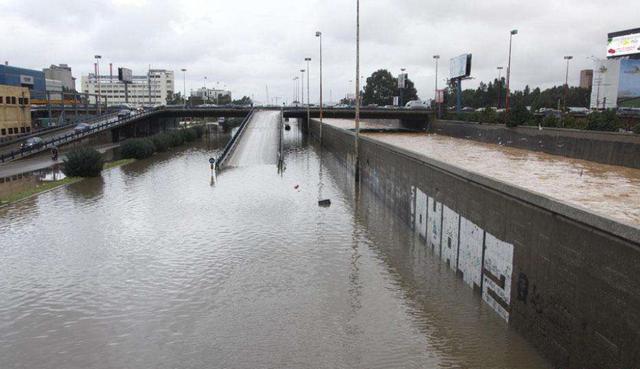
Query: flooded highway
(151, 266)
(608, 190)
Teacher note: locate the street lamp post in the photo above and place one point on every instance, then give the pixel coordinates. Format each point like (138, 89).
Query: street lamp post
(319, 35)
(184, 87)
(499, 86)
(435, 94)
(302, 86)
(357, 164)
(308, 97)
(566, 81)
(98, 57)
(513, 32)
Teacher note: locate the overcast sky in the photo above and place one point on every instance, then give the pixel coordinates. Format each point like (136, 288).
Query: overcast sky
(249, 44)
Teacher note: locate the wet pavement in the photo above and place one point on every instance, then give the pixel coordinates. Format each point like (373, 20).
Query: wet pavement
(260, 141)
(151, 266)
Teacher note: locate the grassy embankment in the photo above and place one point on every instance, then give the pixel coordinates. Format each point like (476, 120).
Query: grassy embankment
(48, 186)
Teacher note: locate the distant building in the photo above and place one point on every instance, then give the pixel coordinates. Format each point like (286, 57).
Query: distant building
(54, 89)
(21, 77)
(210, 94)
(586, 78)
(15, 110)
(61, 73)
(151, 89)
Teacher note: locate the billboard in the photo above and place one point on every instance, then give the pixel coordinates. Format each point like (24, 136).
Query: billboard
(125, 75)
(623, 43)
(460, 66)
(629, 83)
(616, 83)
(402, 80)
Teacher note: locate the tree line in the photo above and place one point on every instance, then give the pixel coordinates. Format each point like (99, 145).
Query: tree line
(493, 94)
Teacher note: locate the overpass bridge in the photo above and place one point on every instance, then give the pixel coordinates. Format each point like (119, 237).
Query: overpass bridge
(154, 120)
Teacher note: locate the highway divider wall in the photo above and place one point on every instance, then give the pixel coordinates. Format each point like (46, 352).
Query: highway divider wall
(603, 147)
(566, 279)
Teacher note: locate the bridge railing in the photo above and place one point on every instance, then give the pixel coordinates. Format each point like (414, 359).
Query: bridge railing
(72, 136)
(232, 142)
(24, 136)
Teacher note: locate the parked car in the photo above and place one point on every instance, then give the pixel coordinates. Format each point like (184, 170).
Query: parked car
(578, 110)
(417, 105)
(32, 143)
(81, 128)
(124, 113)
(342, 106)
(373, 106)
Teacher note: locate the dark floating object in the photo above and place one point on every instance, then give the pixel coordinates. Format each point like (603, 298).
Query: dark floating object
(325, 203)
(287, 127)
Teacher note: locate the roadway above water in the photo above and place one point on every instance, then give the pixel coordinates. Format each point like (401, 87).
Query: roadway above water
(259, 143)
(149, 266)
(607, 190)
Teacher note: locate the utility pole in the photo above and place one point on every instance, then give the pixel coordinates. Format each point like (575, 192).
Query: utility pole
(184, 87)
(357, 163)
(566, 82)
(319, 35)
(513, 32)
(435, 94)
(308, 97)
(499, 87)
(98, 57)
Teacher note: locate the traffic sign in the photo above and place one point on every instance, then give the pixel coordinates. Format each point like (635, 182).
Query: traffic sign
(212, 160)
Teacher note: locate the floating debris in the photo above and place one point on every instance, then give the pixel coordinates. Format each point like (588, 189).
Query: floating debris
(325, 203)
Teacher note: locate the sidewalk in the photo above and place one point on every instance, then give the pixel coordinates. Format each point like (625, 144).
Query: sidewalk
(39, 161)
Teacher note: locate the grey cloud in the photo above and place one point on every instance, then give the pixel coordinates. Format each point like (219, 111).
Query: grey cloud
(247, 44)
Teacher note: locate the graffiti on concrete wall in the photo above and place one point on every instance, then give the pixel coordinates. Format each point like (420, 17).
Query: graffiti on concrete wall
(484, 261)
(450, 233)
(434, 224)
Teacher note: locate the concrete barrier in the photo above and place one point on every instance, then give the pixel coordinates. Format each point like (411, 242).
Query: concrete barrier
(566, 279)
(603, 147)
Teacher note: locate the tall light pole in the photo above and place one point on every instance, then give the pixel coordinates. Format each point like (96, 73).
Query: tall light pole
(513, 32)
(566, 81)
(319, 36)
(308, 97)
(499, 86)
(98, 57)
(435, 93)
(357, 164)
(302, 85)
(184, 87)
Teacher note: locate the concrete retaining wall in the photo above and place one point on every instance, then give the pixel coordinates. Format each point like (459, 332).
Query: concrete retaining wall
(568, 280)
(602, 147)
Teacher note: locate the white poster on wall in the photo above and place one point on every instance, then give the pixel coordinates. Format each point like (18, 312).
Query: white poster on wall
(497, 274)
(449, 244)
(434, 225)
(470, 255)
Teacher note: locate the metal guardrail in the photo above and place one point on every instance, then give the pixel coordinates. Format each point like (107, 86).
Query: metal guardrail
(281, 140)
(47, 130)
(232, 142)
(27, 151)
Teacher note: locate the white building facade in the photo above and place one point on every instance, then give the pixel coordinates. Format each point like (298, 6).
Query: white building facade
(210, 94)
(144, 90)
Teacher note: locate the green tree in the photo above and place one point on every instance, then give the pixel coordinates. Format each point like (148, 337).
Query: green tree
(380, 89)
(382, 86)
(245, 100)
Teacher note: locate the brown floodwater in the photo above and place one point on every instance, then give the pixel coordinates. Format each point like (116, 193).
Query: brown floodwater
(153, 266)
(608, 190)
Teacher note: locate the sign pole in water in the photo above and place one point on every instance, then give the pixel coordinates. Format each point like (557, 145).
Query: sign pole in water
(212, 161)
